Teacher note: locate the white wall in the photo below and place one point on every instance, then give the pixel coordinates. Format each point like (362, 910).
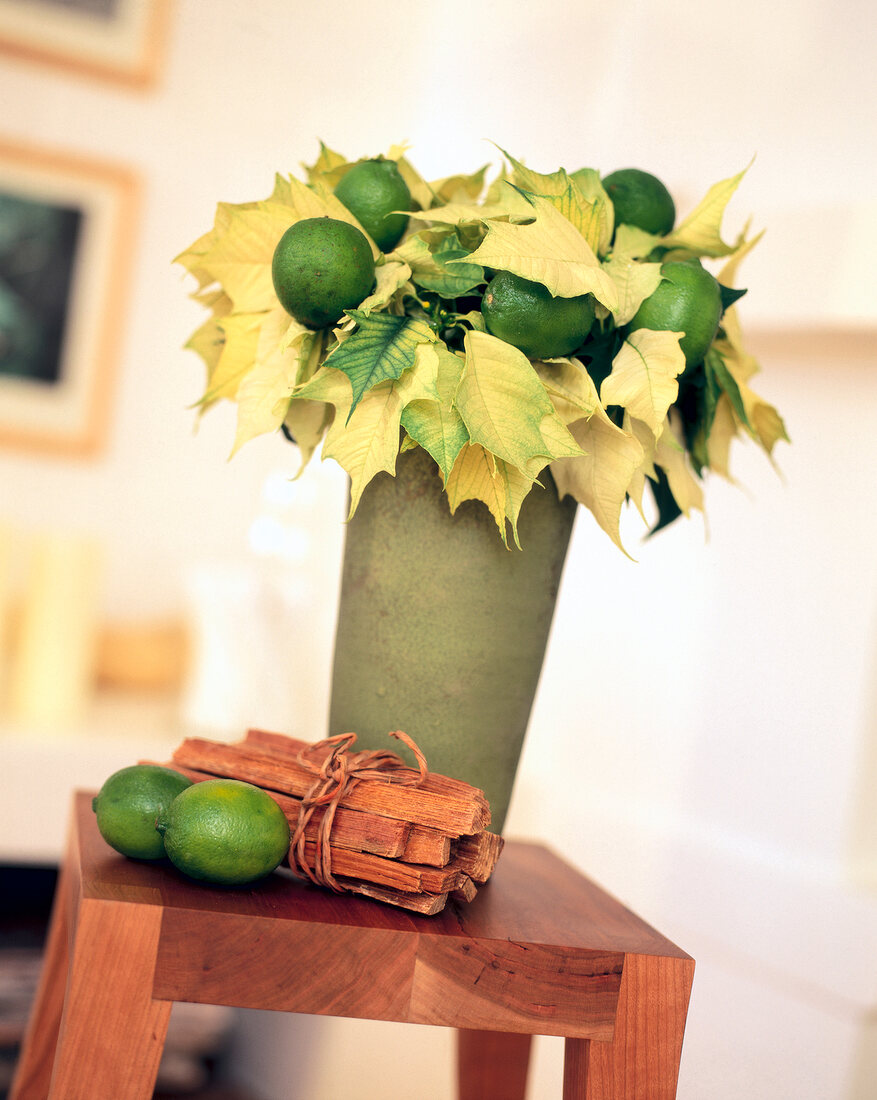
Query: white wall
(717, 697)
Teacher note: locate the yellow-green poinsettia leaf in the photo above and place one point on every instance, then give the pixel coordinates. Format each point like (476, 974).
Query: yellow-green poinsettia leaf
(643, 376)
(363, 440)
(723, 431)
(238, 355)
(459, 188)
(589, 183)
(635, 282)
(240, 258)
(600, 478)
(580, 212)
(646, 437)
(326, 163)
(306, 423)
(671, 456)
(569, 387)
(701, 231)
(480, 476)
(549, 250)
(728, 277)
(430, 416)
(381, 348)
(299, 201)
(634, 243)
(537, 183)
(282, 356)
(422, 193)
(505, 407)
(390, 278)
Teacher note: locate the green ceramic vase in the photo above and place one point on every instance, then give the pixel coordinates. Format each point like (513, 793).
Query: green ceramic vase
(441, 629)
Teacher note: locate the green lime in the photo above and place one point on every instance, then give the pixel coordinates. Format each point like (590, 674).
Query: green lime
(225, 831)
(640, 199)
(374, 192)
(688, 299)
(129, 803)
(527, 315)
(321, 267)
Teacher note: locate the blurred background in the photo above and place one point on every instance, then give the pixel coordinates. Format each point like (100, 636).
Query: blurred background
(704, 741)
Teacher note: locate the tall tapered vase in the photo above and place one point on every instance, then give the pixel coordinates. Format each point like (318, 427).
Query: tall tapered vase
(441, 629)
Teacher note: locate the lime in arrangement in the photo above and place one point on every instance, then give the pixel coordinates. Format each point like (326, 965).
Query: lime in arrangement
(129, 804)
(225, 831)
(537, 332)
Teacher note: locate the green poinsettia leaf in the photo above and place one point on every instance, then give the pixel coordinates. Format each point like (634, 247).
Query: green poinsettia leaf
(700, 233)
(381, 348)
(450, 275)
(643, 376)
(729, 296)
(668, 509)
(548, 250)
(718, 377)
(432, 419)
(505, 407)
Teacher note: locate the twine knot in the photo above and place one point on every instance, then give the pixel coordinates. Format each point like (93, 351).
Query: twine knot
(337, 773)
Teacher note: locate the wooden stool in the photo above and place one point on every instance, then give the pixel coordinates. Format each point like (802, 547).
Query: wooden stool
(540, 951)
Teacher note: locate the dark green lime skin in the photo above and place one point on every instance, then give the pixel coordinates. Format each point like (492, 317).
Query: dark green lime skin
(510, 305)
(687, 292)
(624, 188)
(389, 192)
(321, 267)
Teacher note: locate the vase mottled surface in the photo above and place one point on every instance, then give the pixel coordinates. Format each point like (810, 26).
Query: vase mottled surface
(442, 630)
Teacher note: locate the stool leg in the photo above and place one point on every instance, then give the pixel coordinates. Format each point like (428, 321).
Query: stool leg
(642, 1060)
(112, 1031)
(34, 1070)
(492, 1065)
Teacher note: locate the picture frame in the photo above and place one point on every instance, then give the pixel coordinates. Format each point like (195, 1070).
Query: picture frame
(67, 231)
(117, 40)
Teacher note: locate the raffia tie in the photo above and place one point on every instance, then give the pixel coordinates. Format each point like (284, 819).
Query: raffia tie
(336, 777)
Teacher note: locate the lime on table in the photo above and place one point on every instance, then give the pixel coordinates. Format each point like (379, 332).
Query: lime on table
(688, 299)
(526, 315)
(320, 267)
(129, 804)
(640, 199)
(376, 194)
(225, 831)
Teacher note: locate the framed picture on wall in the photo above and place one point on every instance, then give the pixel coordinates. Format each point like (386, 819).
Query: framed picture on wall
(67, 226)
(119, 40)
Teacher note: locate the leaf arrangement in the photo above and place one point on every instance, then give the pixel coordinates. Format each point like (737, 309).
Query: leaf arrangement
(414, 365)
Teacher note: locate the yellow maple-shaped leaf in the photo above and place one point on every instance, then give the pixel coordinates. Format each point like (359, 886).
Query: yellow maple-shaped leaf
(537, 183)
(422, 193)
(584, 214)
(240, 258)
(364, 442)
(508, 203)
(459, 188)
(588, 181)
(430, 416)
(481, 476)
(600, 478)
(326, 163)
(723, 431)
(672, 457)
(548, 250)
(646, 437)
(643, 376)
(390, 277)
(237, 357)
(284, 351)
(316, 201)
(634, 278)
(505, 407)
(764, 422)
(701, 231)
(569, 387)
(728, 277)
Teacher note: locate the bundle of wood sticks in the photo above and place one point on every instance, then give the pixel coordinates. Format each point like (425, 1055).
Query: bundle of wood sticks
(363, 822)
